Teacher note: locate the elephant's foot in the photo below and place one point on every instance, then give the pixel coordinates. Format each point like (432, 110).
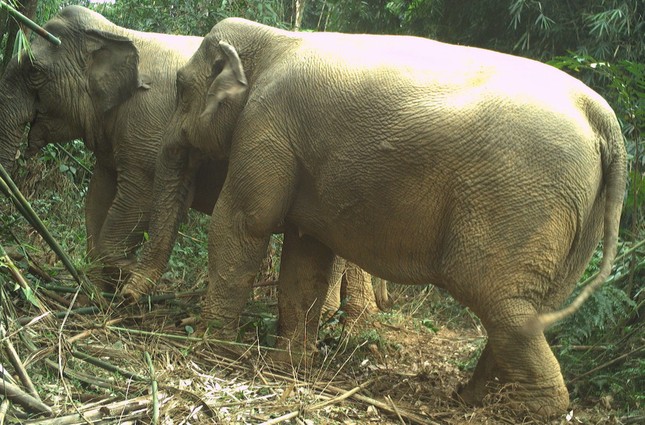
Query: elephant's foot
(541, 401)
(289, 355)
(136, 286)
(520, 374)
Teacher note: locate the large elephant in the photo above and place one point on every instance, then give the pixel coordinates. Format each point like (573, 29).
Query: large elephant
(486, 174)
(115, 88)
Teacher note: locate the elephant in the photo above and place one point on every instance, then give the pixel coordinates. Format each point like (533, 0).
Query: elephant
(489, 175)
(84, 89)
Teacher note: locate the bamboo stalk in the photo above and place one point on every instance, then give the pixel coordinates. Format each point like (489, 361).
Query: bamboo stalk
(19, 278)
(14, 394)
(117, 412)
(153, 390)
(63, 313)
(92, 381)
(107, 366)
(4, 406)
(18, 367)
(31, 24)
(11, 190)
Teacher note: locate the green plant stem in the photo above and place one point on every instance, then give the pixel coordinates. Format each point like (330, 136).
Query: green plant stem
(73, 158)
(153, 390)
(108, 366)
(609, 363)
(31, 24)
(11, 190)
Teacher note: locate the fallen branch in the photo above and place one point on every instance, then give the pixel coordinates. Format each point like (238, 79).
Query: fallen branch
(18, 367)
(118, 412)
(18, 396)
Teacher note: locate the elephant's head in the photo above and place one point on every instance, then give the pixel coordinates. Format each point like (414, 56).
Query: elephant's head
(214, 76)
(66, 91)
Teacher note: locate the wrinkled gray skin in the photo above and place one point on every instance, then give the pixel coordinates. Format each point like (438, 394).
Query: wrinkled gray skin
(486, 174)
(115, 89)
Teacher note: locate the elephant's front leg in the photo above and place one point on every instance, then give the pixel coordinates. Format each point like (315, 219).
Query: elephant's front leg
(238, 240)
(122, 230)
(306, 274)
(100, 195)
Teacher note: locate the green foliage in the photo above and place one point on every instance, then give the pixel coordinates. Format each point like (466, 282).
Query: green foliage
(604, 336)
(191, 17)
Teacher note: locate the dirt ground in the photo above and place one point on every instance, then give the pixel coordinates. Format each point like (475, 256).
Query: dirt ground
(123, 364)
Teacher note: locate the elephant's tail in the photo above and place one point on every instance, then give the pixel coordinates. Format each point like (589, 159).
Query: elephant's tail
(613, 156)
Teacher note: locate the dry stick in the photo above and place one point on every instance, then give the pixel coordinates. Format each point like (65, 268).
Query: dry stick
(112, 413)
(320, 405)
(396, 410)
(412, 417)
(153, 390)
(18, 367)
(4, 406)
(18, 396)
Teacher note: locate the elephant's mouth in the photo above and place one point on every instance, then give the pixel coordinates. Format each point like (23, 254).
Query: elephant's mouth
(36, 139)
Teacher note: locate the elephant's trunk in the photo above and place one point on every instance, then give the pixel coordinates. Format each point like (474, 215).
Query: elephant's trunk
(17, 109)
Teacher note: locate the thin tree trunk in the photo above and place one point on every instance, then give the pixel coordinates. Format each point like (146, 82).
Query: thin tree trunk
(299, 10)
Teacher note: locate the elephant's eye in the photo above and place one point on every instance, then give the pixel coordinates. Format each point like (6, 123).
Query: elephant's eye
(36, 76)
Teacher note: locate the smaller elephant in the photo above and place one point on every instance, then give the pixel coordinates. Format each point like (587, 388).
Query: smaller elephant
(113, 87)
(489, 175)
(84, 88)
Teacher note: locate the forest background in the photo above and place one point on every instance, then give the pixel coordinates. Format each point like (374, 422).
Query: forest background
(601, 42)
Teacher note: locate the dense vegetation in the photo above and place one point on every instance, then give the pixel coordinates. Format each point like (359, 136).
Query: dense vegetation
(601, 42)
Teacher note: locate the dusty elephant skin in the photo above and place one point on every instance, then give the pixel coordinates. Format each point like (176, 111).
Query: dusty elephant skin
(114, 88)
(489, 175)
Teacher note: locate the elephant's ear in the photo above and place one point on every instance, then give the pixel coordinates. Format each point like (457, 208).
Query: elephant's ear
(113, 73)
(230, 81)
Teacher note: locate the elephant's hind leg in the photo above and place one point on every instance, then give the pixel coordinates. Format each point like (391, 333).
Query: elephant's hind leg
(517, 363)
(306, 274)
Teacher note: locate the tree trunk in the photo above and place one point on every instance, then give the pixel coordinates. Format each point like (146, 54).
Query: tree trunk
(299, 10)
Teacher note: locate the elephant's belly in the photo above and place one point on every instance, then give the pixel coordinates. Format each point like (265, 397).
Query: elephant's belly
(402, 246)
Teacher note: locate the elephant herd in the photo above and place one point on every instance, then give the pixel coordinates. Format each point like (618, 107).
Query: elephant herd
(489, 175)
